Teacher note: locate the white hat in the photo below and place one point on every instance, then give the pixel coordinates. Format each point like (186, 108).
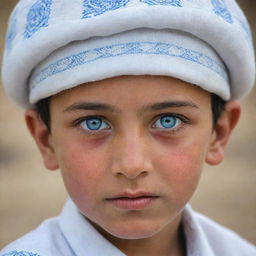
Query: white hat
(53, 45)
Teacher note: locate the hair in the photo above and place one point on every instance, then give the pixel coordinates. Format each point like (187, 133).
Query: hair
(43, 109)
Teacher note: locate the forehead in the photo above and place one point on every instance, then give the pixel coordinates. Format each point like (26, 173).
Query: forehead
(125, 90)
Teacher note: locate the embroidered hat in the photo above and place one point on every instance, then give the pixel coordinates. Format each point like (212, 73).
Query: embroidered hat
(53, 45)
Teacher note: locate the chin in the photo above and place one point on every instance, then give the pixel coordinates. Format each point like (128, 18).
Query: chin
(133, 235)
(134, 231)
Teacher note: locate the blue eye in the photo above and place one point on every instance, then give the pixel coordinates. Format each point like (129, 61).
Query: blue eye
(94, 124)
(167, 122)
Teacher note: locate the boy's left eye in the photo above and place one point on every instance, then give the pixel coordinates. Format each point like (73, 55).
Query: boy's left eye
(167, 122)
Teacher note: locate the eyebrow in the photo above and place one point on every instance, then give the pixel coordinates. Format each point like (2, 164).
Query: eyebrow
(109, 108)
(90, 106)
(169, 104)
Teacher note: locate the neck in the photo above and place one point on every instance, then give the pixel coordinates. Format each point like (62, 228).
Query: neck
(168, 242)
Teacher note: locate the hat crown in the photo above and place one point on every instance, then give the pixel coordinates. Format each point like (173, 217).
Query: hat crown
(37, 28)
(31, 16)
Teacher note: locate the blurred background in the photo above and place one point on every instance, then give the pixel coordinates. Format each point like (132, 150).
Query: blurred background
(29, 193)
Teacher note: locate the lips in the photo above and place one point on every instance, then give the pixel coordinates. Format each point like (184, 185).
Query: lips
(132, 201)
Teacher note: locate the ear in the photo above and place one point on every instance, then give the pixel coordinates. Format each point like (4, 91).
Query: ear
(42, 137)
(222, 132)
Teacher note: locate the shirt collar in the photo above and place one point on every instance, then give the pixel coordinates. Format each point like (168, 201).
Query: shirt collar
(77, 230)
(196, 240)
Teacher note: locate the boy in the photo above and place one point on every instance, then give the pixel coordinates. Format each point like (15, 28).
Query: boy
(129, 99)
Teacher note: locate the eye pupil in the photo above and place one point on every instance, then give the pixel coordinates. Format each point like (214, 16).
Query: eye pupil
(168, 121)
(94, 124)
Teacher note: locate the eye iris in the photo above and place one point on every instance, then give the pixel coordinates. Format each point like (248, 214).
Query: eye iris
(94, 124)
(168, 121)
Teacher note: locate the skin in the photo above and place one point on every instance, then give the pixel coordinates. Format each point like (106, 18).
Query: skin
(134, 153)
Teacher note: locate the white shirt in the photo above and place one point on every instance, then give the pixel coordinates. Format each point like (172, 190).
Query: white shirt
(70, 234)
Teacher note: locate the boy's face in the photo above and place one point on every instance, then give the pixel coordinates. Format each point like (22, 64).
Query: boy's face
(131, 150)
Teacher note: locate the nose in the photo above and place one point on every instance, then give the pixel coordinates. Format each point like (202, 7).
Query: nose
(131, 157)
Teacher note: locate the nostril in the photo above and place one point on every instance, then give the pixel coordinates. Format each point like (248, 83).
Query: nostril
(131, 174)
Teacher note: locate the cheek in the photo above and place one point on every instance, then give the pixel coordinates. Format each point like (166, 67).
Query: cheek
(82, 169)
(182, 166)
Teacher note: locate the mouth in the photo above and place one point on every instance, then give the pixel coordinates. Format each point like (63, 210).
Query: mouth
(132, 201)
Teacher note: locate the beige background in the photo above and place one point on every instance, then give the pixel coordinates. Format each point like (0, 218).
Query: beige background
(29, 193)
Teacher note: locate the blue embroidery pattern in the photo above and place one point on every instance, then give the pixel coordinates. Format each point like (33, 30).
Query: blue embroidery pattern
(20, 253)
(11, 31)
(162, 2)
(156, 48)
(221, 9)
(98, 7)
(38, 17)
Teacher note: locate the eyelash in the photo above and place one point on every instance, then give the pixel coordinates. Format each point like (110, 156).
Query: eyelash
(183, 120)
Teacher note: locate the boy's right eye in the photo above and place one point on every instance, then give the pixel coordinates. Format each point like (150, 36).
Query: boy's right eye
(94, 124)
